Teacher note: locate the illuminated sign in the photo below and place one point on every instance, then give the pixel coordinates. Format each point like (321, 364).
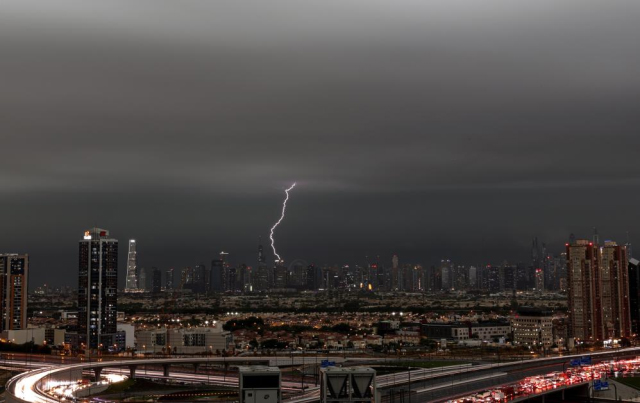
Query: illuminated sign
(87, 235)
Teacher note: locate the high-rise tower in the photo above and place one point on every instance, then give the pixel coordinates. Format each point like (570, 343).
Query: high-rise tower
(598, 291)
(614, 266)
(97, 287)
(263, 275)
(14, 275)
(396, 277)
(132, 263)
(261, 258)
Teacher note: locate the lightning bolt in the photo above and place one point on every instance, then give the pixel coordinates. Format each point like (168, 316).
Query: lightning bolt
(284, 208)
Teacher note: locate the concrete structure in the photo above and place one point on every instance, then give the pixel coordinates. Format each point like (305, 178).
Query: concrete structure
(533, 327)
(259, 384)
(14, 279)
(98, 287)
(196, 340)
(347, 385)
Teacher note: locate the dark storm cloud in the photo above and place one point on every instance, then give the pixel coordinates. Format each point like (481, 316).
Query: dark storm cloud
(426, 128)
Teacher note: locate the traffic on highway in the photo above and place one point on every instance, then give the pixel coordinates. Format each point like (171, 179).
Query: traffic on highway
(576, 373)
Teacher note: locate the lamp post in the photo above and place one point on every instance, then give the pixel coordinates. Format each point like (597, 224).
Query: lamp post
(409, 372)
(208, 359)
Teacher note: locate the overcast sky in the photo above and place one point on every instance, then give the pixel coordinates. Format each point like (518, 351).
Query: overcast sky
(431, 129)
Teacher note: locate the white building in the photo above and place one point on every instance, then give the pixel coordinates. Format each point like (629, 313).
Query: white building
(533, 327)
(129, 331)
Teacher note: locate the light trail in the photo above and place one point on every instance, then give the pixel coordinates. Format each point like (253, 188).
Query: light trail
(284, 208)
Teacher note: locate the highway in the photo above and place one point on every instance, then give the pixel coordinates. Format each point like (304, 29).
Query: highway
(482, 377)
(435, 385)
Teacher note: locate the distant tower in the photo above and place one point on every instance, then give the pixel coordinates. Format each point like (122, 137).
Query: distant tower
(132, 263)
(261, 258)
(261, 279)
(169, 279)
(142, 285)
(156, 280)
(596, 237)
(97, 287)
(446, 274)
(395, 277)
(539, 280)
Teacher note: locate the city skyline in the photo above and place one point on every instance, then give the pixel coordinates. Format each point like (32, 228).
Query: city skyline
(426, 130)
(150, 262)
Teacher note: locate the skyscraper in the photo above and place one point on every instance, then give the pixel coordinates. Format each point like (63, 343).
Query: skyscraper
(186, 277)
(217, 273)
(280, 275)
(14, 276)
(97, 286)
(396, 277)
(598, 290)
(132, 263)
(169, 279)
(508, 277)
(539, 280)
(261, 258)
(473, 277)
(156, 280)
(199, 284)
(142, 279)
(614, 266)
(582, 280)
(446, 274)
(230, 278)
(634, 294)
(311, 278)
(263, 275)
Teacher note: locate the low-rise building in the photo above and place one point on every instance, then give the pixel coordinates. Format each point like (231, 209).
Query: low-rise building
(486, 331)
(195, 340)
(533, 327)
(129, 334)
(22, 336)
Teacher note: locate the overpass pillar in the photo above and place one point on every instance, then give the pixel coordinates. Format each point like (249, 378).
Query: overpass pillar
(195, 367)
(165, 369)
(132, 371)
(97, 371)
(543, 396)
